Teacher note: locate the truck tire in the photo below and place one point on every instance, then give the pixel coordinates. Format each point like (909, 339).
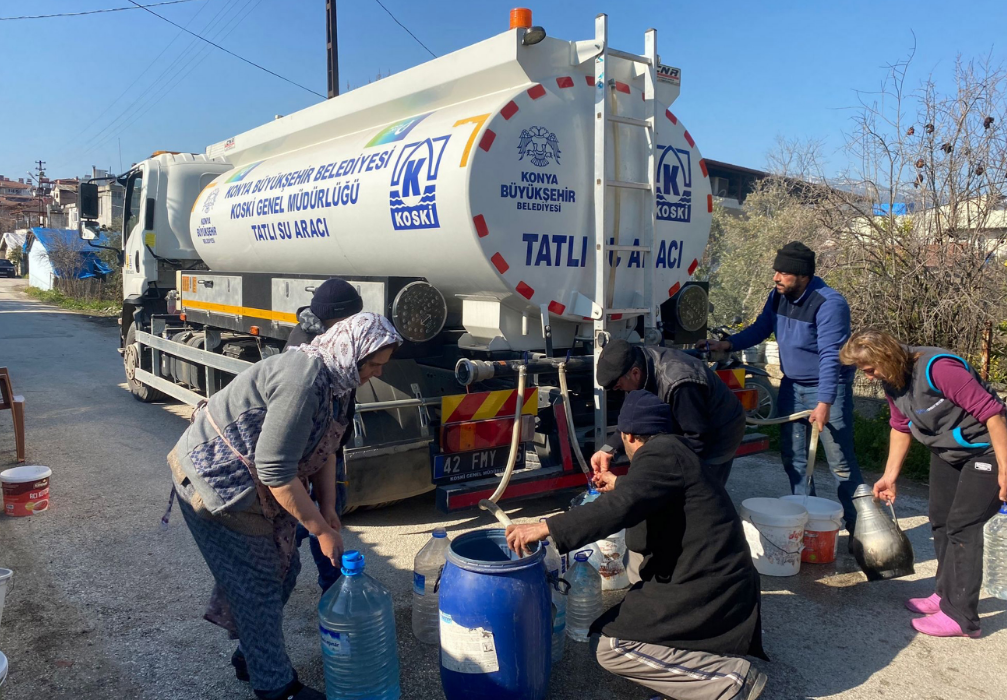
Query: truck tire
(766, 408)
(131, 359)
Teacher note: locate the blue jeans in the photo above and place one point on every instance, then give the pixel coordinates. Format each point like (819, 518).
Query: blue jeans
(327, 573)
(837, 439)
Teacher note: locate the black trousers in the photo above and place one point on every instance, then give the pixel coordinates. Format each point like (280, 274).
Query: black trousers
(962, 498)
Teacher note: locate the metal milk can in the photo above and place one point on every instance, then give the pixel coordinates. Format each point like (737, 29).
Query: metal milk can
(880, 547)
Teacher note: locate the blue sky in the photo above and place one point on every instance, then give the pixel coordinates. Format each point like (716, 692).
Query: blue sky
(751, 70)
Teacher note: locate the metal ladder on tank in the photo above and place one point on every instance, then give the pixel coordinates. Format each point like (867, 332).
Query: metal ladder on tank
(604, 123)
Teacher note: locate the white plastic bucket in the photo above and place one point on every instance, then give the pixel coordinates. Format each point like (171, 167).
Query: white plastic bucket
(821, 534)
(774, 529)
(772, 353)
(6, 584)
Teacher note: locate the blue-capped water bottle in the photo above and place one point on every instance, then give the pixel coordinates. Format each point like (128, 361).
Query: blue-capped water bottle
(995, 554)
(357, 624)
(558, 588)
(427, 568)
(583, 605)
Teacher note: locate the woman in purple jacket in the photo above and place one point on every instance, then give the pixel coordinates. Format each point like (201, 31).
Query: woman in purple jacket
(936, 397)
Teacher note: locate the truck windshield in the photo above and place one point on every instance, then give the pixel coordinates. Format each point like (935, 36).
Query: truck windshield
(134, 194)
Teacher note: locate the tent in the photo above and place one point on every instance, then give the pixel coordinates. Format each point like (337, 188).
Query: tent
(10, 241)
(43, 241)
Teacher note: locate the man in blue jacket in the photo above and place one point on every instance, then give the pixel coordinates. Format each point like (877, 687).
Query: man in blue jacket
(811, 322)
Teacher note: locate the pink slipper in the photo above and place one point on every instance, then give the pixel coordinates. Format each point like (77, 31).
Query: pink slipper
(940, 625)
(924, 606)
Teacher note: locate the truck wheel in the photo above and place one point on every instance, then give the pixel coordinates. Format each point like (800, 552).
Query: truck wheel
(766, 407)
(131, 360)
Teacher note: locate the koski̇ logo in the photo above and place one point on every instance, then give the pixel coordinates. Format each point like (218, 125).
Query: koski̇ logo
(413, 197)
(674, 184)
(539, 144)
(211, 199)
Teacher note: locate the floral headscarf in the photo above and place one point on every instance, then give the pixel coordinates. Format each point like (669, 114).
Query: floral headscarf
(343, 346)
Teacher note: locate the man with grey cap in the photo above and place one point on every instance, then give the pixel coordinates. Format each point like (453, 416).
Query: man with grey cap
(683, 629)
(706, 415)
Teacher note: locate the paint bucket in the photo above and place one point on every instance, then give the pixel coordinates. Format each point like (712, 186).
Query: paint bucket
(25, 490)
(821, 534)
(774, 529)
(6, 584)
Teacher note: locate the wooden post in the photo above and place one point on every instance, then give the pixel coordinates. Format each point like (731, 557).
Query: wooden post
(987, 349)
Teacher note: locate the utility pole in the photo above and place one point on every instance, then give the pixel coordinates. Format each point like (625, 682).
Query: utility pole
(39, 175)
(332, 47)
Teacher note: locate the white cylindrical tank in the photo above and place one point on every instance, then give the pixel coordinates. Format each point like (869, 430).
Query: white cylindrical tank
(490, 197)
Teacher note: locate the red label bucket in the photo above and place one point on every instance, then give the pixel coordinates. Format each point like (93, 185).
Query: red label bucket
(25, 490)
(821, 534)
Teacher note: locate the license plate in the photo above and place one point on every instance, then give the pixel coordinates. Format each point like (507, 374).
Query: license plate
(462, 466)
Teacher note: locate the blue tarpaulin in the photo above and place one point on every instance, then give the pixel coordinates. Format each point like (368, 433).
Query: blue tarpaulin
(92, 265)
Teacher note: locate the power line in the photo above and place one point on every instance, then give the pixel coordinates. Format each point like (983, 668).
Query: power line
(95, 12)
(251, 63)
(401, 25)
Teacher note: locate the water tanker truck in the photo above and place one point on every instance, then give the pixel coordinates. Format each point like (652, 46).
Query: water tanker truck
(516, 203)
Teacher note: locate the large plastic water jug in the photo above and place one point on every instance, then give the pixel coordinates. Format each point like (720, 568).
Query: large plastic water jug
(607, 555)
(584, 600)
(995, 554)
(558, 589)
(357, 624)
(427, 568)
(496, 620)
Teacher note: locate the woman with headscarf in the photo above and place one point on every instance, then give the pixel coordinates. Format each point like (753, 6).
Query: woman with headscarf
(241, 471)
(936, 397)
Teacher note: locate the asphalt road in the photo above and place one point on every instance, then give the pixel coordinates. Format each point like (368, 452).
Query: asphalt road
(109, 605)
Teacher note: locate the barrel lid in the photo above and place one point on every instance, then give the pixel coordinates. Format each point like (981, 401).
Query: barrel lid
(21, 475)
(774, 512)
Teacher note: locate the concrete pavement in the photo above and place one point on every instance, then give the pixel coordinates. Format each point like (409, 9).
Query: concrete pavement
(109, 605)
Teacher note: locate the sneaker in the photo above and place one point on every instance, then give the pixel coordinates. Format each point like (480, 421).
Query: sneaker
(755, 681)
(924, 606)
(940, 625)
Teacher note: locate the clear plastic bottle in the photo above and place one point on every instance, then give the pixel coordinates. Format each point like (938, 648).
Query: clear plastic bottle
(553, 568)
(357, 625)
(606, 555)
(995, 554)
(427, 568)
(583, 605)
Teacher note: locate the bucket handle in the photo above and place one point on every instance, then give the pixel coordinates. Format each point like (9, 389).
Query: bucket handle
(891, 507)
(800, 547)
(561, 585)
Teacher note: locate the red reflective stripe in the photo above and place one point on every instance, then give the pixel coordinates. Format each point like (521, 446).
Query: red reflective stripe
(702, 166)
(688, 137)
(500, 263)
(487, 140)
(615, 317)
(709, 203)
(670, 116)
(590, 80)
(524, 290)
(564, 82)
(476, 435)
(674, 289)
(509, 110)
(480, 223)
(536, 91)
(622, 87)
(556, 308)
(529, 487)
(467, 408)
(693, 266)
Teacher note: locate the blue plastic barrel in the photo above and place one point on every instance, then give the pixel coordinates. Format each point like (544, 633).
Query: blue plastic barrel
(495, 621)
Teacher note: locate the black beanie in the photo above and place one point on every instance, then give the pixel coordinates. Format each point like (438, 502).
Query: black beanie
(615, 360)
(335, 298)
(795, 258)
(644, 414)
